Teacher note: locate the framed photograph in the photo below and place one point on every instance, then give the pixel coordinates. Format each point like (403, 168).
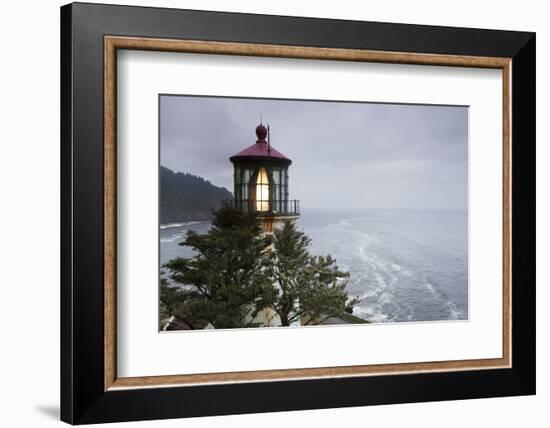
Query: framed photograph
(266, 213)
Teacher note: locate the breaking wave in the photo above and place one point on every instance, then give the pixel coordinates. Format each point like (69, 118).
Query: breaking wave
(174, 225)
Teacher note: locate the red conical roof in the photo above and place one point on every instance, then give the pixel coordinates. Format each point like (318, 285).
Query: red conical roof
(260, 148)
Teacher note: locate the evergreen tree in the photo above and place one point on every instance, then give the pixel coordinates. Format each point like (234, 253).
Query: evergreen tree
(308, 288)
(224, 284)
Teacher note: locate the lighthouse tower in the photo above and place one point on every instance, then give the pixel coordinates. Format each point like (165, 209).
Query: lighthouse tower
(260, 180)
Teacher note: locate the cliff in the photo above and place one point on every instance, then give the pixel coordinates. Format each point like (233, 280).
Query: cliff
(185, 197)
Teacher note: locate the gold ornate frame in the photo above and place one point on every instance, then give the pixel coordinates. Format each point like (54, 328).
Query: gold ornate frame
(113, 43)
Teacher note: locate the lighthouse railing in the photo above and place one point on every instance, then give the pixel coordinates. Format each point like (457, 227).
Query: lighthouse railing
(287, 207)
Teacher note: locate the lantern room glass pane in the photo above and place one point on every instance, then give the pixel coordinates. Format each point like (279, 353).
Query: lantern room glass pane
(276, 173)
(237, 175)
(262, 190)
(277, 198)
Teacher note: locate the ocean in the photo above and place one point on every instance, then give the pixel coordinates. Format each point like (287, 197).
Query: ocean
(404, 265)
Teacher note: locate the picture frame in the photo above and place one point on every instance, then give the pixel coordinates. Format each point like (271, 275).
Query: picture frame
(91, 391)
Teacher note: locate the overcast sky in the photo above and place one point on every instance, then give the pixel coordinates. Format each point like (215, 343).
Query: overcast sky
(348, 155)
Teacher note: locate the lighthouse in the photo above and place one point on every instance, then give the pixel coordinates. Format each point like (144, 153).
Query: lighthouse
(260, 181)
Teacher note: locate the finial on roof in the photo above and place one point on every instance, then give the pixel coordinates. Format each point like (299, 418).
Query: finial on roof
(261, 132)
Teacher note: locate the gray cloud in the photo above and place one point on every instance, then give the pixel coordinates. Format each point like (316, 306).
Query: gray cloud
(361, 155)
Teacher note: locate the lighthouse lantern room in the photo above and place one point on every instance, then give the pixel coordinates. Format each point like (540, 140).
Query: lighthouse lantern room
(260, 180)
